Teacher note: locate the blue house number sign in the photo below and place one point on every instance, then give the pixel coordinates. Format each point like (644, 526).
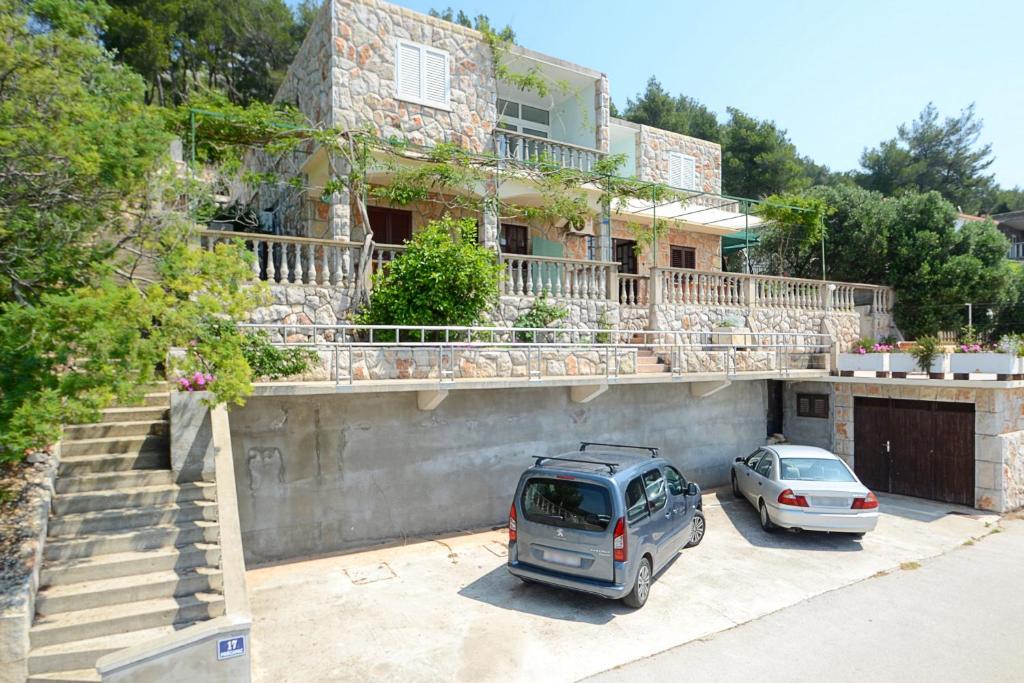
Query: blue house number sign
(228, 648)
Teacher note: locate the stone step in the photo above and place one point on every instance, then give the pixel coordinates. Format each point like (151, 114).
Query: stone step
(647, 360)
(123, 589)
(68, 627)
(92, 501)
(114, 444)
(66, 658)
(650, 369)
(181, 558)
(109, 428)
(134, 413)
(132, 518)
(104, 481)
(76, 676)
(155, 399)
(114, 462)
(62, 549)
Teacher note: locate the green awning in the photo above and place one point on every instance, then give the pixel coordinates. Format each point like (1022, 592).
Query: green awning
(738, 240)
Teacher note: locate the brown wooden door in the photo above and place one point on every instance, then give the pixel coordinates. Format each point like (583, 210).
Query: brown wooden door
(915, 448)
(625, 254)
(390, 226)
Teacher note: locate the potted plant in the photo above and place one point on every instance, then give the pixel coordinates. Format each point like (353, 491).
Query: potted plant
(731, 331)
(867, 355)
(1004, 360)
(925, 356)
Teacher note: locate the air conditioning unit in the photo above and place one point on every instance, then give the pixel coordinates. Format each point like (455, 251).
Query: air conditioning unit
(586, 228)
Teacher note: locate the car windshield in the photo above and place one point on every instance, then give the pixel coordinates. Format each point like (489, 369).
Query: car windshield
(813, 469)
(569, 504)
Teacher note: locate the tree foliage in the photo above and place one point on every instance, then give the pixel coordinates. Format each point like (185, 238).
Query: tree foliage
(758, 159)
(933, 154)
(241, 48)
(75, 139)
(679, 114)
(444, 277)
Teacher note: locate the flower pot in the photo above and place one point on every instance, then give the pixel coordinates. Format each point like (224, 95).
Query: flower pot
(863, 362)
(903, 363)
(985, 363)
(731, 336)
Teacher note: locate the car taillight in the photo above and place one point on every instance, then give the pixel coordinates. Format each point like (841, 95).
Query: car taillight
(870, 502)
(512, 523)
(619, 541)
(787, 497)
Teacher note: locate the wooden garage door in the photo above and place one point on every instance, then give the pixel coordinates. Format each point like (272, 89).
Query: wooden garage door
(915, 448)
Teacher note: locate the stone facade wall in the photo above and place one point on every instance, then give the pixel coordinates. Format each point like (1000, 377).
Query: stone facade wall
(708, 248)
(998, 433)
(843, 327)
(654, 146)
(363, 80)
(297, 304)
(307, 84)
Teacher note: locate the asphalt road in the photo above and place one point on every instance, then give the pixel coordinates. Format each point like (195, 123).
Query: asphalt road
(958, 616)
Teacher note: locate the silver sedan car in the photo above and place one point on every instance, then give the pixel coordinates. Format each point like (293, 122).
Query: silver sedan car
(804, 488)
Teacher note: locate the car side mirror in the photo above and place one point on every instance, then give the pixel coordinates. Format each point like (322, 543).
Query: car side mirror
(691, 489)
(739, 459)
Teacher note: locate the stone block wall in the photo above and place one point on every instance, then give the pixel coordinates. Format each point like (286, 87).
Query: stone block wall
(843, 327)
(654, 146)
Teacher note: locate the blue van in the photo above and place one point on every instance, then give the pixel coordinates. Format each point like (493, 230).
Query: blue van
(602, 521)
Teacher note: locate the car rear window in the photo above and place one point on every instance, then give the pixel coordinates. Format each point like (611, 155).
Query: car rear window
(813, 469)
(566, 503)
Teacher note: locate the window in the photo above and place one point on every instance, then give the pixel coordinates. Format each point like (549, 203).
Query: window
(591, 243)
(754, 458)
(421, 74)
(567, 504)
(625, 254)
(514, 239)
(683, 257)
(657, 492)
(764, 468)
(523, 118)
(682, 171)
(676, 481)
(812, 405)
(814, 469)
(390, 226)
(636, 502)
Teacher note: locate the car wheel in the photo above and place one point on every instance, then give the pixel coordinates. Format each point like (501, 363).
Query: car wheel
(642, 587)
(736, 487)
(766, 521)
(697, 528)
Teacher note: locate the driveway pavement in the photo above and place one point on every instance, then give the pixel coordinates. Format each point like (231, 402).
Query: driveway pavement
(956, 617)
(446, 609)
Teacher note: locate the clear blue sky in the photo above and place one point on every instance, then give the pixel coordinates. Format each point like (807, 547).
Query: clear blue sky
(839, 76)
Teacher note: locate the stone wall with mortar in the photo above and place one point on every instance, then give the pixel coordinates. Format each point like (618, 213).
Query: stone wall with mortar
(307, 83)
(842, 327)
(326, 473)
(998, 433)
(654, 146)
(363, 78)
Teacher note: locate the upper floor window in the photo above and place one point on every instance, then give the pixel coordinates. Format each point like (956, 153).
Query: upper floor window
(682, 171)
(523, 118)
(683, 257)
(422, 74)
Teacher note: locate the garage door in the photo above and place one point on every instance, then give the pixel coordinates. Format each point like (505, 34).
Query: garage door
(915, 448)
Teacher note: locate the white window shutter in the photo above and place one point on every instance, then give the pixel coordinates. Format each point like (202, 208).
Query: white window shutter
(435, 81)
(675, 169)
(409, 72)
(689, 173)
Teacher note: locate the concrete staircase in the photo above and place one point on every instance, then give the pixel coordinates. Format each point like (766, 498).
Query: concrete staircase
(131, 555)
(648, 362)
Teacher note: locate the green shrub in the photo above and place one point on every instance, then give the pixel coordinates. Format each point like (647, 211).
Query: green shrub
(925, 351)
(273, 362)
(541, 314)
(444, 277)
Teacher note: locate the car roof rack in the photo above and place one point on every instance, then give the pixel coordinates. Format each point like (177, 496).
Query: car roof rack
(610, 465)
(651, 449)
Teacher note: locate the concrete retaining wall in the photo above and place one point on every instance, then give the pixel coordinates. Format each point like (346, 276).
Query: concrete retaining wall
(317, 474)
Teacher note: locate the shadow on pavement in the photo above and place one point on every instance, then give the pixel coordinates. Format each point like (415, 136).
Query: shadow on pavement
(921, 510)
(501, 589)
(744, 518)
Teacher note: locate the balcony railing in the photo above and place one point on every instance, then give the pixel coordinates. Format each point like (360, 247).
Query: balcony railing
(304, 260)
(711, 288)
(532, 149)
(559, 278)
(1016, 251)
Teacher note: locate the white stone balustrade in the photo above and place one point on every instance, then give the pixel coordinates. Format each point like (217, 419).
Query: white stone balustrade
(558, 278)
(532, 149)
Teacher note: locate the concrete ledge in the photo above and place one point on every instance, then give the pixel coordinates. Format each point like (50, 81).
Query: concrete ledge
(393, 385)
(188, 655)
(705, 389)
(587, 392)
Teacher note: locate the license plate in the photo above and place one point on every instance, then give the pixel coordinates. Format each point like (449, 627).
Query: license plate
(831, 502)
(558, 557)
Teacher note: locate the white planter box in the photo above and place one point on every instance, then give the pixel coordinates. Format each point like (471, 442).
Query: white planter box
(863, 362)
(731, 336)
(985, 363)
(904, 362)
